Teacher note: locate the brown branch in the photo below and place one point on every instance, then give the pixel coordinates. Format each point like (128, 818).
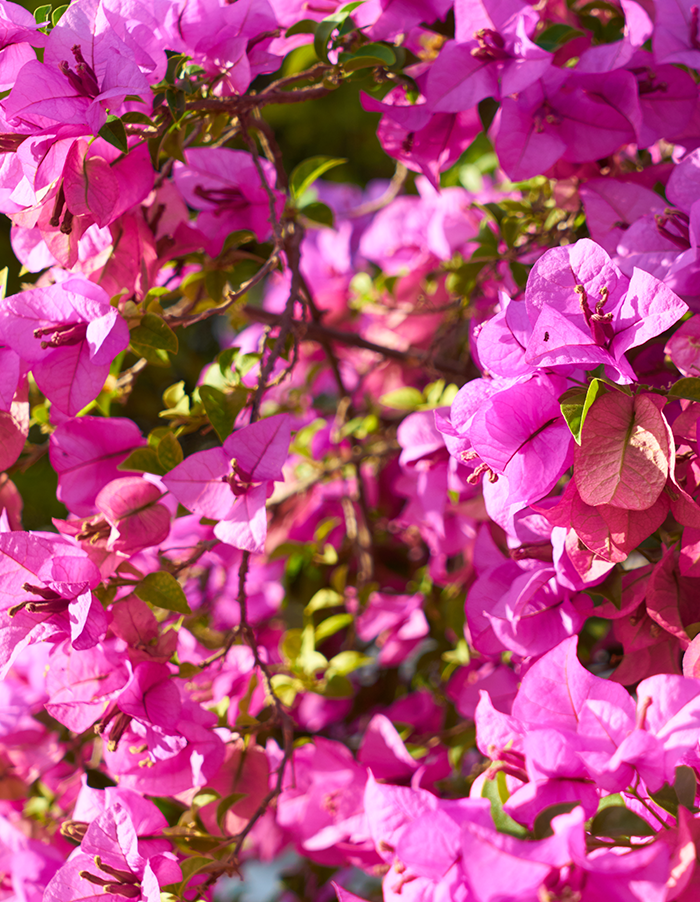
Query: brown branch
(231, 298)
(239, 105)
(315, 70)
(398, 180)
(319, 333)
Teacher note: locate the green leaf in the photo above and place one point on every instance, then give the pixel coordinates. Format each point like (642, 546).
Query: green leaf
(143, 460)
(556, 36)
(327, 26)
(154, 332)
(338, 686)
(309, 659)
(519, 273)
(575, 404)
(153, 355)
(226, 358)
(175, 62)
(192, 866)
(42, 14)
(225, 804)
(305, 26)
(688, 387)
(114, 133)
(620, 821)
(176, 102)
(169, 452)
(542, 828)
(686, 786)
(205, 797)
(369, 55)
(609, 590)
(134, 116)
(222, 408)
(57, 13)
(407, 398)
(347, 661)
(320, 213)
(497, 793)
(324, 598)
(331, 625)
(164, 591)
(666, 798)
(306, 173)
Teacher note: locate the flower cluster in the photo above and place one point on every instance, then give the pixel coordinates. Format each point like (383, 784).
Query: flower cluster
(403, 575)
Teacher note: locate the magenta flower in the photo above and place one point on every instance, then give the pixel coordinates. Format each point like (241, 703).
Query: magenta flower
(87, 69)
(68, 334)
(45, 584)
(85, 453)
(565, 115)
(423, 141)
(232, 483)
(492, 56)
(225, 186)
(111, 865)
(584, 311)
(397, 622)
(321, 807)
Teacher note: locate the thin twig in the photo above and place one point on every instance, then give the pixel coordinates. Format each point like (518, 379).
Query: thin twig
(320, 333)
(231, 298)
(398, 180)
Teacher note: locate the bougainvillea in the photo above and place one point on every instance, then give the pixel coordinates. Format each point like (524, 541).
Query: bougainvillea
(397, 587)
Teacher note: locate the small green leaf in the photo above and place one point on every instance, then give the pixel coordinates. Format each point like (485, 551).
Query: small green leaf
(542, 828)
(192, 866)
(324, 30)
(205, 797)
(686, 787)
(407, 398)
(175, 62)
(347, 661)
(225, 804)
(575, 404)
(164, 591)
(114, 133)
(519, 272)
(134, 116)
(367, 56)
(331, 625)
(688, 387)
(324, 598)
(174, 396)
(176, 102)
(57, 13)
(222, 408)
(304, 26)
(666, 798)
(556, 36)
(142, 460)
(497, 793)
(169, 452)
(154, 332)
(620, 821)
(306, 173)
(156, 356)
(226, 358)
(338, 686)
(319, 213)
(609, 590)
(42, 14)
